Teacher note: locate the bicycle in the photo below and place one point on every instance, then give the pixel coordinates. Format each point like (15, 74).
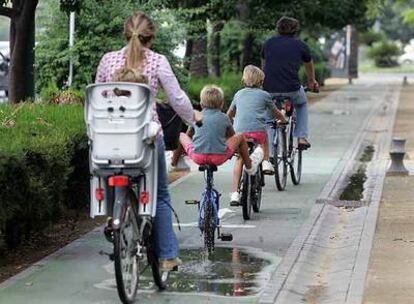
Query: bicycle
(287, 153)
(123, 152)
(208, 211)
(251, 187)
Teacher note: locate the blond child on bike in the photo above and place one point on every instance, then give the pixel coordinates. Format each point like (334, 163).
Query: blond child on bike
(249, 109)
(214, 142)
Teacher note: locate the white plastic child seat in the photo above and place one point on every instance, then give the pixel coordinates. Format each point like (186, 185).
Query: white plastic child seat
(119, 124)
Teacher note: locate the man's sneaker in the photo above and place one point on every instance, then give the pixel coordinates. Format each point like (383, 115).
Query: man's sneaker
(267, 168)
(169, 265)
(234, 199)
(256, 157)
(303, 144)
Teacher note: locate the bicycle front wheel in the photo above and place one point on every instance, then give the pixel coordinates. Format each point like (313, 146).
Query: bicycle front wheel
(279, 159)
(258, 185)
(209, 227)
(246, 196)
(125, 258)
(295, 156)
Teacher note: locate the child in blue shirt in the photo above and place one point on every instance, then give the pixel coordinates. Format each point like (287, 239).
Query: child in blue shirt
(249, 109)
(214, 142)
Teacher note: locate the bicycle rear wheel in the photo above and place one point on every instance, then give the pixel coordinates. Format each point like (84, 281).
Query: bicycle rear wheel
(295, 156)
(246, 196)
(257, 202)
(279, 159)
(160, 277)
(126, 261)
(209, 227)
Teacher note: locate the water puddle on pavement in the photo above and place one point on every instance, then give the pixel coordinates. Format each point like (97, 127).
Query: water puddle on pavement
(227, 272)
(354, 191)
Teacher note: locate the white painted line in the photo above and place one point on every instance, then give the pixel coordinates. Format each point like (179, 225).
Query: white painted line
(232, 226)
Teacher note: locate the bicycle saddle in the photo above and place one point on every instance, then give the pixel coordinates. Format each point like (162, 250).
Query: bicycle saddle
(211, 168)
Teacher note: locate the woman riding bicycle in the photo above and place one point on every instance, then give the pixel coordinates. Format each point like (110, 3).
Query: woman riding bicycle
(139, 31)
(249, 109)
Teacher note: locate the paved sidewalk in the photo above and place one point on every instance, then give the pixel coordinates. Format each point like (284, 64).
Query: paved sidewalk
(390, 276)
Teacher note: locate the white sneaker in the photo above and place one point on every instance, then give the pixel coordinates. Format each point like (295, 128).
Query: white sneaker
(256, 157)
(267, 168)
(234, 198)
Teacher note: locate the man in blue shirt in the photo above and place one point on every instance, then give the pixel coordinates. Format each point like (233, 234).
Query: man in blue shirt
(282, 56)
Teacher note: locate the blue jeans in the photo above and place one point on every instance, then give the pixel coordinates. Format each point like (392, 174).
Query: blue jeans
(166, 243)
(300, 102)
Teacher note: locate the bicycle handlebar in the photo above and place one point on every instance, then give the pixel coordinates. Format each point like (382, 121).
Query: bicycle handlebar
(315, 89)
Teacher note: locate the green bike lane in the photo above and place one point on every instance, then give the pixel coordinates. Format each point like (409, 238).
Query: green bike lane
(79, 274)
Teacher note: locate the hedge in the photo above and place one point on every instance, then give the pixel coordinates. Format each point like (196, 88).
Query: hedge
(43, 167)
(229, 82)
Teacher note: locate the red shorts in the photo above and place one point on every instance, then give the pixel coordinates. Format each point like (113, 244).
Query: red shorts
(208, 158)
(259, 136)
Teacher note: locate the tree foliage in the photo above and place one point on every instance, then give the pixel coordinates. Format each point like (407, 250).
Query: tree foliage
(394, 18)
(99, 29)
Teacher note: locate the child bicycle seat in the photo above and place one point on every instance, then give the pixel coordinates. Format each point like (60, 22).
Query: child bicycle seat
(120, 126)
(284, 103)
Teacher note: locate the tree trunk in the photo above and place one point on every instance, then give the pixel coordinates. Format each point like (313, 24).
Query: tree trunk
(215, 48)
(247, 54)
(199, 66)
(188, 53)
(22, 33)
(243, 10)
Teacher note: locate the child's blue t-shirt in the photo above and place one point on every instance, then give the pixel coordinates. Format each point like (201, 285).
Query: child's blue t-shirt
(252, 106)
(211, 137)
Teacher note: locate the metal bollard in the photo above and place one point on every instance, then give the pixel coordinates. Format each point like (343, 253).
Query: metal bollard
(397, 154)
(405, 81)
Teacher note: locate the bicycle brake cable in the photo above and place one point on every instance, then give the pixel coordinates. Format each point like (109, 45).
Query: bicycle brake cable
(175, 215)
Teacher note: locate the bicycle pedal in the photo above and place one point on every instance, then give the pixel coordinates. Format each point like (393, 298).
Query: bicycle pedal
(110, 255)
(192, 202)
(235, 204)
(226, 237)
(109, 235)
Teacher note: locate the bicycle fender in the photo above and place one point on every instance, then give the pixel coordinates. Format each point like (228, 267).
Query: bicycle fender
(120, 198)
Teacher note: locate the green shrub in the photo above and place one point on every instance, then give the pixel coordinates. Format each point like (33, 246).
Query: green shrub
(43, 167)
(322, 72)
(229, 82)
(370, 37)
(384, 53)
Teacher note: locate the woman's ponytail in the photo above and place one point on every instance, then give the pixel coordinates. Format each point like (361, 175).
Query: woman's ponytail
(139, 30)
(135, 52)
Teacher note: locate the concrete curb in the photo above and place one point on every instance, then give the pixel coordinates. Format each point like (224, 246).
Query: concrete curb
(357, 285)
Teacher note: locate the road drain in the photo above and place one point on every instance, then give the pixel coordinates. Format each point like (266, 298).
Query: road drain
(354, 190)
(228, 272)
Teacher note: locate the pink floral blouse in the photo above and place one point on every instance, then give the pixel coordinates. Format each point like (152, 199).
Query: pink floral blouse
(158, 70)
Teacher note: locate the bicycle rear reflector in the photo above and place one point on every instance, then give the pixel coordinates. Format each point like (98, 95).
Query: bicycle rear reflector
(118, 181)
(99, 194)
(144, 198)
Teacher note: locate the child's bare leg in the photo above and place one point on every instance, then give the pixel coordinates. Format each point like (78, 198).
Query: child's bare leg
(265, 147)
(238, 142)
(237, 172)
(180, 149)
